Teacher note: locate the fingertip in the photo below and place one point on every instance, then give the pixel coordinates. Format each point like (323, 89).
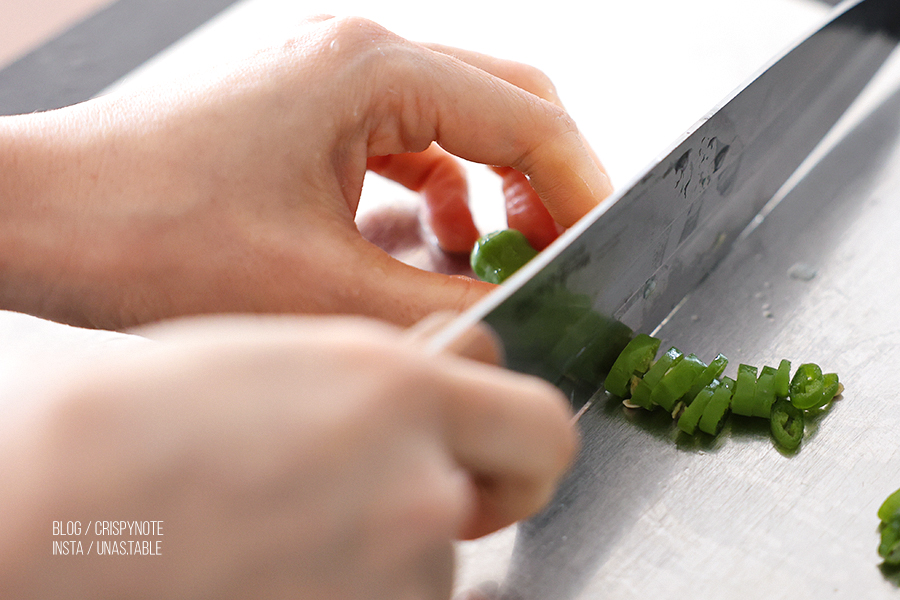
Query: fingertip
(526, 212)
(441, 181)
(447, 212)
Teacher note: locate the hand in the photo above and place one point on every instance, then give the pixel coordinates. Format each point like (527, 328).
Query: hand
(302, 458)
(236, 191)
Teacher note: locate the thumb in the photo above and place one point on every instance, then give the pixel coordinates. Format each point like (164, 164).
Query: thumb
(403, 294)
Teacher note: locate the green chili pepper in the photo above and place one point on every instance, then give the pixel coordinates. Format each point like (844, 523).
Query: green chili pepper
(744, 391)
(889, 514)
(717, 407)
(765, 393)
(677, 381)
(786, 424)
(832, 386)
(642, 392)
(783, 379)
(498, 255)
(635, 359)
(710, 374)
(807, 386)
(690, 418)
(889, 548)
(890, 508)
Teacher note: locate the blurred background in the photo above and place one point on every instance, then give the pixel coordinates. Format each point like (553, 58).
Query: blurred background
(25, 24)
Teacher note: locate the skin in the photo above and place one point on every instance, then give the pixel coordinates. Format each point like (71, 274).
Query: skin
(301, 457)
(236, 191)
(351, 485)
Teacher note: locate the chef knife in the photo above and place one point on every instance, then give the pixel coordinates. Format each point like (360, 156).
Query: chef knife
(626, 265)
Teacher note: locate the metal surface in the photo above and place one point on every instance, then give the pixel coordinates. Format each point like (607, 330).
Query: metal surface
(650, 513)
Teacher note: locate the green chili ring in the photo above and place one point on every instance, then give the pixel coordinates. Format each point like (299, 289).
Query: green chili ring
(498, 255)
(716, 410)
(786, 424)
(634, 360)
(676, 382)
(765, 393)
(712, 373)
(783, 379)
(744, 391)
(690, 418)
(890, 508)
(640, 396)
(889, 548)
(807, 386)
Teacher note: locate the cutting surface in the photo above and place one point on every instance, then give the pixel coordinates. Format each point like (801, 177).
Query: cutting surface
(651, 513)
(647, 513)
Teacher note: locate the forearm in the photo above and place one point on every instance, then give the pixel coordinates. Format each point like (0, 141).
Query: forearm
(38, 163)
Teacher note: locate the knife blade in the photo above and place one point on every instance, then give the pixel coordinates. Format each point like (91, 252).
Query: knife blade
(626, 265)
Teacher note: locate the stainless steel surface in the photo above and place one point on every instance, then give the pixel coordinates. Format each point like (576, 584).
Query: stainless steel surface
(650, 513)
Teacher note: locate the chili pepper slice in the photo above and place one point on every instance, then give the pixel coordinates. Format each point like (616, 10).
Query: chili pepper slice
(807, 386)
(717, 407)
(889, 548)
(786, 424)
(690, 418)
(744, 391)
(890, 508)
(677, 381)
(765, 393)
(642, 392)
(635, 359)
(783, 379)
(830, 387)
(498, 255)
(710, 374)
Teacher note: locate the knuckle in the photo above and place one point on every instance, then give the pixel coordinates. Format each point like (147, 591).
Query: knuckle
(337, 38)
(354, 34)
(533, 80)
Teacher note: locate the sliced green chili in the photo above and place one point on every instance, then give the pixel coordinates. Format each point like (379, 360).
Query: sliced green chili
(765, 393)
(890, 508)
(786, 424)
(807, 386)
(889, 548)
(717, 408)
(642, 392)
(889, 514)
(699, 397)
(744, 391)
(634, 360)
(710, 374)
(677, 381)
(498, 255)
(690, 418)
(832, 387)
(783, 379)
